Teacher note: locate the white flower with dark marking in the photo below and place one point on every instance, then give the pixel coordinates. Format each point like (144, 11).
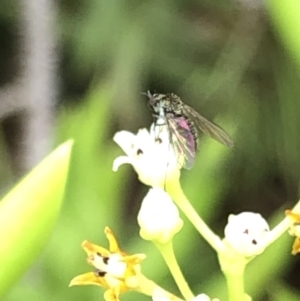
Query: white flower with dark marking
(150, 154)
(246, 233)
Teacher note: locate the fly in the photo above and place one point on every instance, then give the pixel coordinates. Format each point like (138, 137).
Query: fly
(184, 125)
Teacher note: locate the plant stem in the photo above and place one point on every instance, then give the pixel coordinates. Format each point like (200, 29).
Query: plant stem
(235, 286)
(282, 227)
(233, 267)
(148, 287)
(167, 252)
(178, 196)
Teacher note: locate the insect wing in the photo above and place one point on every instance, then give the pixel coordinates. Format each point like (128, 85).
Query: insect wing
(208, 127)
(182, 140)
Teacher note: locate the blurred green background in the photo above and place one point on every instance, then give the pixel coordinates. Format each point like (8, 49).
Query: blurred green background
(236, 62)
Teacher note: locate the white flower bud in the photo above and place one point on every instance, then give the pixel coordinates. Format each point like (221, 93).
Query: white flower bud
(158, 217)
(245, 233)
(161, 295)
(203, 297)
(150, 154)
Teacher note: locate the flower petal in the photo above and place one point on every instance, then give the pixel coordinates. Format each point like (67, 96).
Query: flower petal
(295, 230)
(92, 249)
(202, 297)
(88, 279)
(113, 244)
(150, 153)
(120, 161)
(112, 294)
(160, 295)
(295, 227)
(296, 246)
(125, 140)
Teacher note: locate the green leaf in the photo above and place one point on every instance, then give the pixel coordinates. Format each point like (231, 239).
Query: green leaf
(29, 212)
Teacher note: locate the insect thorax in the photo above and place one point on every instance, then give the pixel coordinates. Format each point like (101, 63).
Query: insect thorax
(166, 103)
(173, 104)
(173, 107)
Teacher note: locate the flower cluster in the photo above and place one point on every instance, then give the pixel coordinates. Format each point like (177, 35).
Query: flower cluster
(246, 235)
(154, 160)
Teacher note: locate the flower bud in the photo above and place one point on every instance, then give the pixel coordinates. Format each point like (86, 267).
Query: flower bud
(161, 295)
(159, 217)
(245, 233)
(203, 297)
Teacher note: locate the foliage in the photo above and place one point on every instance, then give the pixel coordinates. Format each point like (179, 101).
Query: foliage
(28, 213)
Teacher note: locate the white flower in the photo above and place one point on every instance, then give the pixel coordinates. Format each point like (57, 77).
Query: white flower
(150, 154)
(159, 217)
(203, 297)
(246, 232)
(161, 295)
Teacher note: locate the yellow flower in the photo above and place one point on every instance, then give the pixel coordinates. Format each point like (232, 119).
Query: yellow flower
(295, 230)
(114, 269)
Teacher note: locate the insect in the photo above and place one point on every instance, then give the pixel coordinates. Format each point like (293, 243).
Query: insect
(184, 124)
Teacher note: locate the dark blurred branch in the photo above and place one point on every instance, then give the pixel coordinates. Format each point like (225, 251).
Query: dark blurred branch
(32, 96)
(38, 77)
(11, 99)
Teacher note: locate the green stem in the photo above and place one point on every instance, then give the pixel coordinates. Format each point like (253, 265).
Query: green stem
(233, 268)
(282, 227)
(148, 287)
(235, 286)
(178, 196)
(167, 252)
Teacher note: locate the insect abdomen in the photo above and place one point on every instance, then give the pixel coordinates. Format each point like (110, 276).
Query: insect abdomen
(193, 131)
